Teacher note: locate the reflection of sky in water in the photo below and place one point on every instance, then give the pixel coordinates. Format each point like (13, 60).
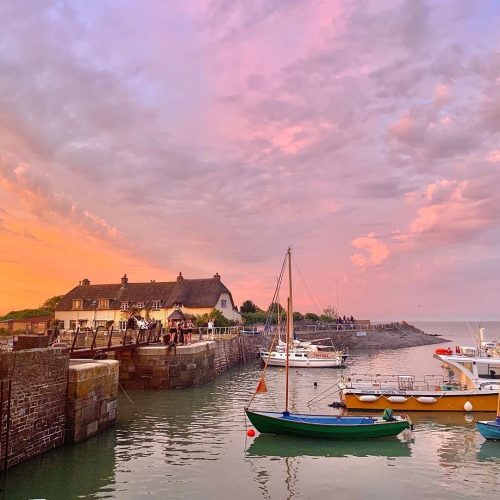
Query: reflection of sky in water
(192, 444)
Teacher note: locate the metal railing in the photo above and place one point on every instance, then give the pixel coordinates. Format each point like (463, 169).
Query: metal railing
(86, 341)
(381, 382)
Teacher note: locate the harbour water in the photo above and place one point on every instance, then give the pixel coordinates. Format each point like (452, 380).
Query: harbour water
(192, 444)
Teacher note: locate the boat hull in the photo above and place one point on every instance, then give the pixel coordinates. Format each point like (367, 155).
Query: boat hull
(489, 430)
(305, 362)
(428, 401)
(325, 427)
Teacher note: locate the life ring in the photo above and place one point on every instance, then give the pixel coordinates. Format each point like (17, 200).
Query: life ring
(446, 351)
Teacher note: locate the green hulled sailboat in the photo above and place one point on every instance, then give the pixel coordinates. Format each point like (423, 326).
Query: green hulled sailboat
(320, 426)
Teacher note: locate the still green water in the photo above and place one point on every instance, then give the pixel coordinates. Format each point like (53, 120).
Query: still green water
(192, 444)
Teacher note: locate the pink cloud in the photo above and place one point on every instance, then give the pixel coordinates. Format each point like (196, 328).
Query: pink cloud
(46, 203)
(377, 252)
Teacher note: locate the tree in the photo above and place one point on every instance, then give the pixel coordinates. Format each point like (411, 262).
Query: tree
(50, 304)
(331, 313)
(312, 316)
(218, 318)
(273, 306)
(298, 316)
(248, 307)
(254, 318)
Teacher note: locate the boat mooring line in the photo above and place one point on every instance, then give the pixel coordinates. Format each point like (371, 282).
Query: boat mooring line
(125, 392)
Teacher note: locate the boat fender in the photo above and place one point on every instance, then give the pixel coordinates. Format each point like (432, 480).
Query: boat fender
(426, 399)
(368, 398)
(397, 399)
(468, 406)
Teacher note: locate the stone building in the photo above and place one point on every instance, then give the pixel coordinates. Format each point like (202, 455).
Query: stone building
(38, 324)
(89, 305)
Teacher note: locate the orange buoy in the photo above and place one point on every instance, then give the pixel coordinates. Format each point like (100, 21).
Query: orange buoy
(250, 433)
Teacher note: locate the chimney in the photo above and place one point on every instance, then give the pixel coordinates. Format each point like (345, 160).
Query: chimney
(85, 282)
(180, 277)
(217, 276)
(124, 280)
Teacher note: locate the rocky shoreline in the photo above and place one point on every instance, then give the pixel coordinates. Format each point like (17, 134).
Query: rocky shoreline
(400, 336)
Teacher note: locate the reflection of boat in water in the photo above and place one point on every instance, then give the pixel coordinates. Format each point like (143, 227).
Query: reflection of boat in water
(489, 450)
(472, 383)
(279, 446)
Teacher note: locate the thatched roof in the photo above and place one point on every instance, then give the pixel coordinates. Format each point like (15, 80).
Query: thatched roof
(191, 293)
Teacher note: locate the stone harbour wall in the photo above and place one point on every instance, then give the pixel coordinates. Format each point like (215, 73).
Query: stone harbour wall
(236, 351)
(91, 398)
(39, 380)
(161, 367)
(374, 339)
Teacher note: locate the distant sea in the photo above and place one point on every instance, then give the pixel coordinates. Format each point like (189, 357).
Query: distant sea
(460, 331)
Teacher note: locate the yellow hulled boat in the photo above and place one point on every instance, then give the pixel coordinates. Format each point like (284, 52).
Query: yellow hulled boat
(472, 383)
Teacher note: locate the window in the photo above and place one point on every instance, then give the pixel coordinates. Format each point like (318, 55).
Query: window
(100, 323)
(72, 324)
(124, 306)
(223, 303)
(156, 304)
(103, 304)
(77, 304)
(123, 325)
(140, 305)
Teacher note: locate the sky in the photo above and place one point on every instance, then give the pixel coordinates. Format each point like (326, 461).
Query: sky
(150, 137)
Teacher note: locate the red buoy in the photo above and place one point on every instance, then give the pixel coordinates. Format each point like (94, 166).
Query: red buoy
(250, 433)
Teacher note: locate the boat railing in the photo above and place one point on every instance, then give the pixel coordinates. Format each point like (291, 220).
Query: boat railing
(381, 382)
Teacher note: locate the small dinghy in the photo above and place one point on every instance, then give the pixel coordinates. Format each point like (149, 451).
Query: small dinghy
(490, 429)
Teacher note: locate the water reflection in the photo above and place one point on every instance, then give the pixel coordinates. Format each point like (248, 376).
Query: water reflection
(489, 451)
(282, 446)
(82, 469)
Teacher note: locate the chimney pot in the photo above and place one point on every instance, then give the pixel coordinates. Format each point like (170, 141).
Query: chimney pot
(85, 282)
(124, 280)
(217, 276)
(180, 277)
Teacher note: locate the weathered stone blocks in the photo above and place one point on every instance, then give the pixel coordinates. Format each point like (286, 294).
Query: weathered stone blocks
(38, 399)
(91, 398)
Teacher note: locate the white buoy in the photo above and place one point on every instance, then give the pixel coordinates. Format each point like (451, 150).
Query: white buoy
(468, 406)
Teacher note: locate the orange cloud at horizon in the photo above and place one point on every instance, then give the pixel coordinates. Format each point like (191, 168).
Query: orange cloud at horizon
(40, 260)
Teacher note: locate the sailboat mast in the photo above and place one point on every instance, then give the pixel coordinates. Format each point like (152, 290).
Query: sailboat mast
(290, 310)
(289, 324)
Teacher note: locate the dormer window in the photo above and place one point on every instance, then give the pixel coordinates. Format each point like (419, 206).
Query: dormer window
(156, 305)
(77, 304)
(103, 303)
(140, 305)
(124, 305)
